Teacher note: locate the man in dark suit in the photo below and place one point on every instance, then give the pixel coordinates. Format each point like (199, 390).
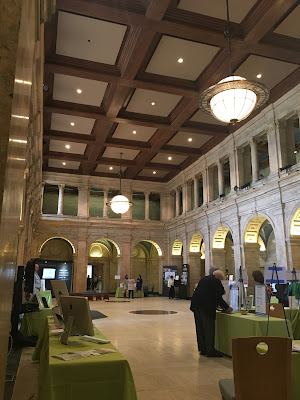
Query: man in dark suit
(206, 298)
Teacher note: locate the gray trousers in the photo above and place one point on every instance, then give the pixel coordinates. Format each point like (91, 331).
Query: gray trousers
(205, 329)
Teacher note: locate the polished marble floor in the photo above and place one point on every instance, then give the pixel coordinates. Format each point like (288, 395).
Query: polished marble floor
(161, 350)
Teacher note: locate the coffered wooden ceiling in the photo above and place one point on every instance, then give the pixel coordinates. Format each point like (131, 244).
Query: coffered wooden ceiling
(135, 97)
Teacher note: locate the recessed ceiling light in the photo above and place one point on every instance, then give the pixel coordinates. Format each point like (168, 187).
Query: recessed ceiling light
(79, 91)
(134, 132)
(295, 152)
(180, 60)
(190, 139)
(258, 76)
(72, 123)
(90, 40)
(154, 172)
(111, 168)
(64, 163)
(67, 146)
(169, 158)
(152, 104)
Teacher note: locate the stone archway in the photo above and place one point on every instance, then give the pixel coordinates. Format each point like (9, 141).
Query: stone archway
(259, 246)
(295, 239)
(196, 261)
(146, 261)
(103, 256)
(222, 250)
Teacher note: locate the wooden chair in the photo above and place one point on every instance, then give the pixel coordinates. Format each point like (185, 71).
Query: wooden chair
(276, 310)
(256, 374)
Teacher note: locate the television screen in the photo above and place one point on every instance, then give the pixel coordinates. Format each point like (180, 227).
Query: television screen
(48, 273)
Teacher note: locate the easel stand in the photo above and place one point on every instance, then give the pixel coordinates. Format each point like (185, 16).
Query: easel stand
(275, 271)
(242, 293)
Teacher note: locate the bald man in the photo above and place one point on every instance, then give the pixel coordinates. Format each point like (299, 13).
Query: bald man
(206, 298)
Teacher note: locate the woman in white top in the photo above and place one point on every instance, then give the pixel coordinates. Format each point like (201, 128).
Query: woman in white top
(131, 285)
(171, 287)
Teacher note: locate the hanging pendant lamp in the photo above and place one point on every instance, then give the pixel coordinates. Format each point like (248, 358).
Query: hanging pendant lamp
(233, 98)
(120, 204)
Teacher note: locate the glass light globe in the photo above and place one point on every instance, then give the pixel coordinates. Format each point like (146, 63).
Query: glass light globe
(119, 204)
(233, 104)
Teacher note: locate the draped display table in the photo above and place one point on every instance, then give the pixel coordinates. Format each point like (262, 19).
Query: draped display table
(119, 292)
(98, 377)
(33, 323)
(295, 383)
(229, 326)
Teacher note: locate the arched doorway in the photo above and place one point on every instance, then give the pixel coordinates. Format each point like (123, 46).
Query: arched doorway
(222, 250)
(196, 261)
(295, 240)
(103, 262)
(56, 255)
(146, 262)
(259, 246)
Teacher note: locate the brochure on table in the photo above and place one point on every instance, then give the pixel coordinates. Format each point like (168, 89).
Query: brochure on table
(260, 300)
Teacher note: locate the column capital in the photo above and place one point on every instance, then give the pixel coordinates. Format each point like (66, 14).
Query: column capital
(281, 124)
(43, 184)
(84, 187)
(105, 188)
(61, 185)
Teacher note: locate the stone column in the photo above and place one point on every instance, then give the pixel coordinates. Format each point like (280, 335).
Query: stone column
(42, 197)
(147, 206)
(254, 160)
(165, 209)
(195, 274)
(272, 150)
(290, 142)
(80, 261)
(251, 254)
(196, 192)
(188, 202)
(239, 153)
(247, 165)
(210, 184)
(177, 212)
(282, 153)
(60, 205)
(125, 259)
(105, 201)
(221, 177)
(232, 168)
(205, 186)
(83, 201)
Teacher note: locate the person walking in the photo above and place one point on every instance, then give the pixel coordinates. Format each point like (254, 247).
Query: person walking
(125, 285)
(206, 298)
(131, 285)
(100, 284)
(94, 282)
(139, 286)
(171, 287)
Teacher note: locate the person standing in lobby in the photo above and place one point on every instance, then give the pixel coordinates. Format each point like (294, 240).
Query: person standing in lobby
(131, 286)
(125, 285)
(177, 283)
(171, 287)
(139, 285)
(206, 298)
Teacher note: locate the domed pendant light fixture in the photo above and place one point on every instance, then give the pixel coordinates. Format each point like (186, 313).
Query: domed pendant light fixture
(233, 98)
(119, 204)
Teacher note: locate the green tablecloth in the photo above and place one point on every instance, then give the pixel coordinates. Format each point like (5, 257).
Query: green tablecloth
(33, 323)
(120, 293)
(106, 377)
(233, 325)
(295, 383)
(48, 295)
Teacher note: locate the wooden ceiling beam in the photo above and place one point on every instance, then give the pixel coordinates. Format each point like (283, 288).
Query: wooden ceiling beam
(127, 144)
(97, 71)
(57, 155)
(124, 117)
(115, 161)
(195, 27)
(68, 136)
(180, 150)
(162, 167)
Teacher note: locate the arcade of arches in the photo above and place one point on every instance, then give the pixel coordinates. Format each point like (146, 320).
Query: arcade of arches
(110, 256)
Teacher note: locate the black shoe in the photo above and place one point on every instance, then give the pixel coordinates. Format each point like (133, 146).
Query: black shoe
(216, 353)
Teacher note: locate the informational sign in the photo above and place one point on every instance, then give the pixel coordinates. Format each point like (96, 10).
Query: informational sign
(234, 297)
(275, 274)
(177, 278)
(117, 276)
(260, 300)
(168, 275)
(63, 271)
(185, 274)
(293, 276)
